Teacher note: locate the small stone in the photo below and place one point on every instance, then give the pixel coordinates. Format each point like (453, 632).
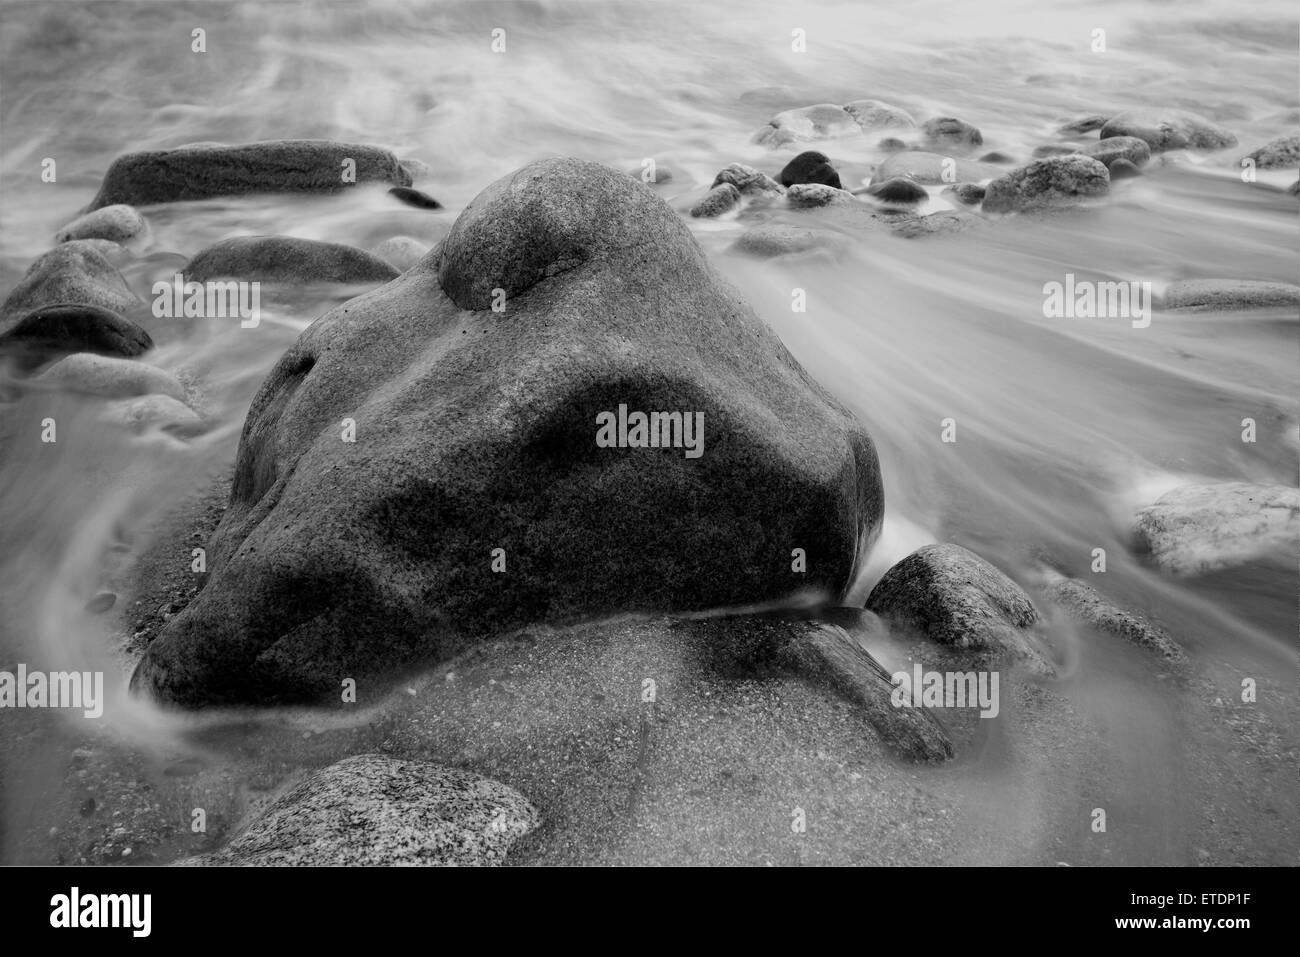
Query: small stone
(717, 201)
(118, 223)
(809, 167)
(1123, 169)
(948, 132)
(748, 180)
(413, 197)
(1058, 181)
(898, 191)
(809, 195)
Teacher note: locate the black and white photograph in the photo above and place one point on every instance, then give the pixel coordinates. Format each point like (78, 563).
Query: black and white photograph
(650, 433)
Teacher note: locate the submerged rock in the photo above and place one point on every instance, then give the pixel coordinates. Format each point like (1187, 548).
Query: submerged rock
(1212, 295)
(76, 272)
(970, 194)
(1083, 125)
(776, 239)
(941, 223)
(1059, 181)
(204, 172)
(1281, 153)
(876, 115)
(1122, 169)
(1086, 605)
(718, 200)
(1195, 529)
(1169, 129)
(109, 376)
(67, 328)
(421, 470)
(401, 252)
(951, 596)
(934, 168)
(945, 133)
(809, 167)
(1113, 148)
(118, 223)
(821, 121)
(373, 810)
(287, 259)
(898, 190)
(413, 197)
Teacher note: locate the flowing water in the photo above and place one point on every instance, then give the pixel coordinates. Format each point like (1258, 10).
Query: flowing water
(1064, 426)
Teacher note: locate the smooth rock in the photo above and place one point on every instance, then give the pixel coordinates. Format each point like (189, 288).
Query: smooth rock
(476, 430)
(1084, 125)
(161, 411)
(1169, 129)
(110, 376)
(414, 198)
(891, 144)
(876, 115)
(749, 181)
(1210, 295)
(942, 223)
(717, 201)
(62, 329)
(951, 596)
(809, 167)
(810, 195)
(1113, 148)
(945, 133)
(118, 223)
(1058, 181)
(934, 168)
(1086, 605)
(1195, 529)
(776, 239)
(287, 259)
(821, 121)
(72, 272)
(1123, 169)
(969, 194)
(318, 166)
(898, 191)
(1281, 153)
(1002, 159)
(375, 810)
(1053, 149)
(401, 252)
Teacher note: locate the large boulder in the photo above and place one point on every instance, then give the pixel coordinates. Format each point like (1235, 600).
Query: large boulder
(1054, 182)
(1195, 529)
(484, 389)
(1169, 129)
(373, 810)
(287, 259)
(204, 172)
(75, 272)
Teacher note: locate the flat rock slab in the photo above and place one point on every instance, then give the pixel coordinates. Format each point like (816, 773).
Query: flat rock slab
(287, 259)
(1196, 529)
(953, 597)
(488, 483)
(204, 172)
(1088, 606)
(1228, 295)
(373, 810)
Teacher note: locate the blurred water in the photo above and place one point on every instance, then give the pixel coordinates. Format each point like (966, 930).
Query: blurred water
(1064, 425)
